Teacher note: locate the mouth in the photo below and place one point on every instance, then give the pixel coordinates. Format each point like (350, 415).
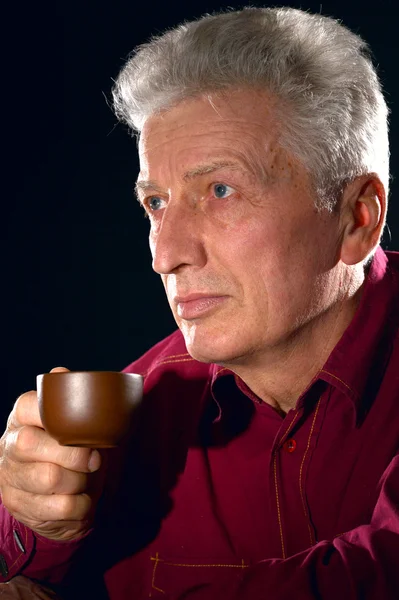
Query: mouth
(194, 306)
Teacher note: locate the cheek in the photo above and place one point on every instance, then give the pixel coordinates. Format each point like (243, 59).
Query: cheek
(226, 213)
(270, 259)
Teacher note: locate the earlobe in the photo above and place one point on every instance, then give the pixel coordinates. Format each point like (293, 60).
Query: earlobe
(365, 216)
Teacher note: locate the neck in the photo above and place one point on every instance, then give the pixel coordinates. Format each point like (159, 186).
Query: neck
(279, 375)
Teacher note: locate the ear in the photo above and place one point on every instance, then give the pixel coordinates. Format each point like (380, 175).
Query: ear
(363, 212)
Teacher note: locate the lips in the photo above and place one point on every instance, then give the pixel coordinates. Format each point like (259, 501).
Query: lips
(193, 306)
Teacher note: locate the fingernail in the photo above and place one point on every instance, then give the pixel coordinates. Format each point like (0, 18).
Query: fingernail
(94, 461)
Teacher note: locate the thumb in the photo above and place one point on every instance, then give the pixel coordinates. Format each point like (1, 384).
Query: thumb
(59, 370)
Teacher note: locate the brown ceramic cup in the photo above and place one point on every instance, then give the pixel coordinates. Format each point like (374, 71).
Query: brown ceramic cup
(92, 409)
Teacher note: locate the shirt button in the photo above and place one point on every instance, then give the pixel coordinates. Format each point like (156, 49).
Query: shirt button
(290, 445)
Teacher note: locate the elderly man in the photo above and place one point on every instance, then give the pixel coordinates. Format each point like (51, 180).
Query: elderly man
(265, 464)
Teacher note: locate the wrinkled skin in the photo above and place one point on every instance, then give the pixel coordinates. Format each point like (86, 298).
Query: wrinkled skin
(233, 218)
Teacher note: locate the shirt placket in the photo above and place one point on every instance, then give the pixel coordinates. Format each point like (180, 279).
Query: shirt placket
(290, 457)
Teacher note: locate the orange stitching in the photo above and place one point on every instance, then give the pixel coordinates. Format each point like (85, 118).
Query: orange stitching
(157, 560)
(241, 566)
(154, 587)
(338, 379)
(339, 534)
(221, 370)
(165, 362)
(289, 429)
(21, 553)
(15, 561)
(312, 541)
(276, 484)
(177, 355)
(278, 504)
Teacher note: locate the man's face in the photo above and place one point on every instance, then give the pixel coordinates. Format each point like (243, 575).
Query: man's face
(245, 258)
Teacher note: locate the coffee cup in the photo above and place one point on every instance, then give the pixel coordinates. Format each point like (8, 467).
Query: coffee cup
(92, 409)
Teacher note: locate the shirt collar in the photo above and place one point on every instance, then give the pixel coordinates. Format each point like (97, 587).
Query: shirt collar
(358, 361)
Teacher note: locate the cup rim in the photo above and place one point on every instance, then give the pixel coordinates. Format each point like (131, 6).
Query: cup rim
(90, 373)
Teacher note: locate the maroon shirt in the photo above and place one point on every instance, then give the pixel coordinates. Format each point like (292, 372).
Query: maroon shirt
(220, 497)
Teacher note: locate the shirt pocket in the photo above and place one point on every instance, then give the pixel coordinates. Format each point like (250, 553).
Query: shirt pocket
(176, 578)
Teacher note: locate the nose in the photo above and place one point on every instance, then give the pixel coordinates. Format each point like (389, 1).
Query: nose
(177, 242)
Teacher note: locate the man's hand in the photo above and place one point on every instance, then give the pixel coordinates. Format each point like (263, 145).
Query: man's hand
(50, 488)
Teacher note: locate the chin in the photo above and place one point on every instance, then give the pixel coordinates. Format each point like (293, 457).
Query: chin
(209, 347)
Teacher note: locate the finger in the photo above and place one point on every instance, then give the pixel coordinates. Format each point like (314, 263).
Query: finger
(26, 408)
(32, 444)
(46, 478)
(39, 508)
(25, 412)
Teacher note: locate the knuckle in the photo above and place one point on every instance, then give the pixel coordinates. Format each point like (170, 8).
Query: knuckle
(5, 466)
(8, 443)
(25, 440)
(67, 507)
(74, 507)
(22, 403)
(51, 477)
(10, 500)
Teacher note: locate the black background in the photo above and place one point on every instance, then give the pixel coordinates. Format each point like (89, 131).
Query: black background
(78, 289)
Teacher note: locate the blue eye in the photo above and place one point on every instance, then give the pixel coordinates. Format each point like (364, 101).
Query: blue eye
(222, 191)
(155, 202)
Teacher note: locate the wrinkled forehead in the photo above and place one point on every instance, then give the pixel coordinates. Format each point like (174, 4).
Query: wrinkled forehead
(240, 122)
(224, 111)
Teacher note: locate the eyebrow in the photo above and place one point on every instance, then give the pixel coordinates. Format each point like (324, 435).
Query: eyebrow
(205, 169)
(145, 185)
(209, 168)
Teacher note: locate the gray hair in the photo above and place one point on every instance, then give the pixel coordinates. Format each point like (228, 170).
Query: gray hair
(331, 106)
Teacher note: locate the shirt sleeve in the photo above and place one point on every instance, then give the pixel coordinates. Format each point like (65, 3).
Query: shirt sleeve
(362, 563)
(16, 545)
(22, 552)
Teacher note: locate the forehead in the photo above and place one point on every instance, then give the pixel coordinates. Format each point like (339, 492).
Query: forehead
(230, 121)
